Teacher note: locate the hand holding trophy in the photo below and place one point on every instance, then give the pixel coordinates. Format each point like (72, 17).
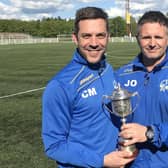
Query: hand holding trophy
(122, 107)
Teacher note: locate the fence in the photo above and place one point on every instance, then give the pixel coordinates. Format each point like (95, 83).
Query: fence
(28, 41)
(56, 40)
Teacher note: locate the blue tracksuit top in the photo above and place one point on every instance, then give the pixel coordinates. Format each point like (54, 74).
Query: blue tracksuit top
(161, 134)
(152, 106)
(76, 130)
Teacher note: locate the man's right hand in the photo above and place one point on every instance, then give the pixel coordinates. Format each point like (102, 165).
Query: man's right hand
(118, 159)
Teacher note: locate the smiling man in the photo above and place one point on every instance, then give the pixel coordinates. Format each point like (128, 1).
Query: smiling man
(153, 40)
(92, 39)
(149, 71)
(76, 130)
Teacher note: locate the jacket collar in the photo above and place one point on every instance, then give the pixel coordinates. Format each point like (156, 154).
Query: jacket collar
(137, 62)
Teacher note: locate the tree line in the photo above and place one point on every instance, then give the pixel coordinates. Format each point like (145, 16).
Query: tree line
(51, 27)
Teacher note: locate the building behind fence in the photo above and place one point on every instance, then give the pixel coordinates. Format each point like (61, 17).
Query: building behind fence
(20, 38)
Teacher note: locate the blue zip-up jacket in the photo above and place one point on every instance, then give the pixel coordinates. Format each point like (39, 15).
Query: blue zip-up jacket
(160, 134)
(76, 130)
(152, 106)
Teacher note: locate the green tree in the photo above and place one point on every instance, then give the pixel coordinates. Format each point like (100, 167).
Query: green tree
(117, 27)
(51, 27)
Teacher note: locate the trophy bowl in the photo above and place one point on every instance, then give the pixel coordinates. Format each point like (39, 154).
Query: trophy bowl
(122, 107)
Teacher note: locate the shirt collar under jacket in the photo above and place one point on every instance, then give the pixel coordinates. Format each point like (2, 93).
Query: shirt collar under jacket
(81, 60)
(139, 65)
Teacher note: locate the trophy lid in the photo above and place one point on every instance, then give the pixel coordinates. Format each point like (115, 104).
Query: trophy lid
(120, 93)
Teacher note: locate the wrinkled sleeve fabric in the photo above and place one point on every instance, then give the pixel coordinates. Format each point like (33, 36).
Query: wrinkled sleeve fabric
(160, 141)
(151, 162)
(160, 134)
(56, 123)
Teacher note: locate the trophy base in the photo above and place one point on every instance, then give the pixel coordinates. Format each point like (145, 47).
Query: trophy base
(131, 148)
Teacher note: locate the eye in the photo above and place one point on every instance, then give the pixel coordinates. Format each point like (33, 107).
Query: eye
(158, 37)
(145, 37)
(101, 35)
(86, 36)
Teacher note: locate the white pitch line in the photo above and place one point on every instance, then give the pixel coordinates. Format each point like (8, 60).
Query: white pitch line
(20, 93)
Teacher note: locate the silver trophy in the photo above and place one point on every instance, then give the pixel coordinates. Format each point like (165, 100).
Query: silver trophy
(122, 107)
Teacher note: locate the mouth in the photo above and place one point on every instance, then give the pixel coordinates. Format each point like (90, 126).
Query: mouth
(94, 49)
(152, 50)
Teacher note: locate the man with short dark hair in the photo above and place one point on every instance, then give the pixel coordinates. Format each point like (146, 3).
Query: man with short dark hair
(148, 74)
(76, 130)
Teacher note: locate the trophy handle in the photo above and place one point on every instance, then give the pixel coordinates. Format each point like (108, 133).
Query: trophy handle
(137, 102)
(106, 107)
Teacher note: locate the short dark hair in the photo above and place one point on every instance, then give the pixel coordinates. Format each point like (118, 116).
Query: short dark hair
(89, 13)
(153, 17)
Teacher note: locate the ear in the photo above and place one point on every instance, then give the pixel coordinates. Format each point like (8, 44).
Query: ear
(74, 38)
(137, 39)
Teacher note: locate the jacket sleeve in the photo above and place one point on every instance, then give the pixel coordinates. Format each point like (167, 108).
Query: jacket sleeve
(158, 160)
(158, 157)
(160, 134)
(56, 123)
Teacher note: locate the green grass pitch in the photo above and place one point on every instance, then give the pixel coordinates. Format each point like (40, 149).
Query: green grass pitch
(27, 67)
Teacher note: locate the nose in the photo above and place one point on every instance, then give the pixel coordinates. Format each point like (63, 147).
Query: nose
(152, 42)
(93, 42)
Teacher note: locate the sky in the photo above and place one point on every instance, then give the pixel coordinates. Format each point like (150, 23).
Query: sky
(38, 9)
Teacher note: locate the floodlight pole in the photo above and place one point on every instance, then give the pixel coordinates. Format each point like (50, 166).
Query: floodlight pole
(127, 16)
